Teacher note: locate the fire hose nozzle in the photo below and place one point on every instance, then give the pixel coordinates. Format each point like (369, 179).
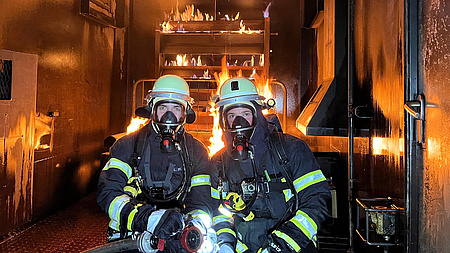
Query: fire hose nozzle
(191, 238)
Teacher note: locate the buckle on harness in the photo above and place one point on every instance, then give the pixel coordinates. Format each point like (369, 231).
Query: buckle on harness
(266, 185)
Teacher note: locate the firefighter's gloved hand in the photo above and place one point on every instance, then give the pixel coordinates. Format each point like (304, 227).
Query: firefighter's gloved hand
(173, 246)
(226, 248)
(165, 223)
(274, 244)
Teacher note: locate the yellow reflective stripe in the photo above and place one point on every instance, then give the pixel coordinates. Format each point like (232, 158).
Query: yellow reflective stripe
(131, 190)
(222, 218)
(116, 206)
(241, 247)
(308, 180)
(226, 230)
(267, 175)
(287, 192)
(288, 239)
(215, 193)
(131, 216)
(118, 164)
(200, 180)
(305, 224)
(196, 213)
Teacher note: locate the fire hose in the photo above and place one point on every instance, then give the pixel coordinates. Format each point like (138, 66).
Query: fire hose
(191, 238)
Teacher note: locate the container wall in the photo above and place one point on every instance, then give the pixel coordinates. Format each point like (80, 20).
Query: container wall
(80, 62)
(435, 79)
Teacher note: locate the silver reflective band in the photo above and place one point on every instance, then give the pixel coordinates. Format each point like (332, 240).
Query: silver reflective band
(237, 99)
(154, 94)
(153, 219)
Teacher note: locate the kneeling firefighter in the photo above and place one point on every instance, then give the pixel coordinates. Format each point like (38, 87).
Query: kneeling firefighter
(271, 194)
(157, 180)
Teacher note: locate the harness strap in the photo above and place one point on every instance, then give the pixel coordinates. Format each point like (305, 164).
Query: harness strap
(276, 142)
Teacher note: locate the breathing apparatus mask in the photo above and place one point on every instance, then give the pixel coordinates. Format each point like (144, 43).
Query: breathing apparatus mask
(169, 120)
(237, 123)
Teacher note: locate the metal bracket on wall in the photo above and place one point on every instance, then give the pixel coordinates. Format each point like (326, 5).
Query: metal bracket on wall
(417, 109)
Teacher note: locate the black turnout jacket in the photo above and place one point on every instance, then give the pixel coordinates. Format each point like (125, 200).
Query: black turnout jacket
(270, 211)
(121, 196)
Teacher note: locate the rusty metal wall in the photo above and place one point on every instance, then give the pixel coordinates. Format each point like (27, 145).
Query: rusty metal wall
(81, 93)
(17, 138)
(435, 81)
(379, 68)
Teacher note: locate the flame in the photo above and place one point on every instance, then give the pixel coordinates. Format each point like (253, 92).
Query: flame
(192, 14)
(189, 14)
(43, 126)
(182, 60)
(136, 124)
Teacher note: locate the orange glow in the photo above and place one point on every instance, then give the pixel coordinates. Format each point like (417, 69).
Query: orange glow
(43, 126)
(136, 124)
(384, 146)
(378, 146)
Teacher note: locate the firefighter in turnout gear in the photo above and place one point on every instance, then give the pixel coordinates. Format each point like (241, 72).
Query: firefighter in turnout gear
(159, 175)
(271, 193)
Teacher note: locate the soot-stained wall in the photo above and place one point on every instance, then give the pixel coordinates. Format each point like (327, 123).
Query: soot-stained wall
(81, 66)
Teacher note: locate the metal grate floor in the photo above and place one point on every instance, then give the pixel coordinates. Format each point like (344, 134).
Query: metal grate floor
(80, 227)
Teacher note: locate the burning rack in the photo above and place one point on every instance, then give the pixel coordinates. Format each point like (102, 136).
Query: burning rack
(207, 47)
(213, 40)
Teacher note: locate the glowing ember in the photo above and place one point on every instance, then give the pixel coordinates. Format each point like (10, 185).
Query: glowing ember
(136, 124)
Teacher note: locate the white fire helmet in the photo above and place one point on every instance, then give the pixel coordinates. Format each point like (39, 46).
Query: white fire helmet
(171, 88)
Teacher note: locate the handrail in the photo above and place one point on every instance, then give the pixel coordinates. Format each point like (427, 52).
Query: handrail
(133, 108)
(284, 102)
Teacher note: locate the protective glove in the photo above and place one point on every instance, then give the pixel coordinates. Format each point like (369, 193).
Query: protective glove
(274, 244)
(165, 223)
(226, 248)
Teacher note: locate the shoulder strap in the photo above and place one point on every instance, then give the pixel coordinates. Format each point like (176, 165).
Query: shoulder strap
(139, 146)
(278, 144)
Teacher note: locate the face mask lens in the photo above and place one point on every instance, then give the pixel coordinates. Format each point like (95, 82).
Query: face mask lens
(169, 113)
(239, 122)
